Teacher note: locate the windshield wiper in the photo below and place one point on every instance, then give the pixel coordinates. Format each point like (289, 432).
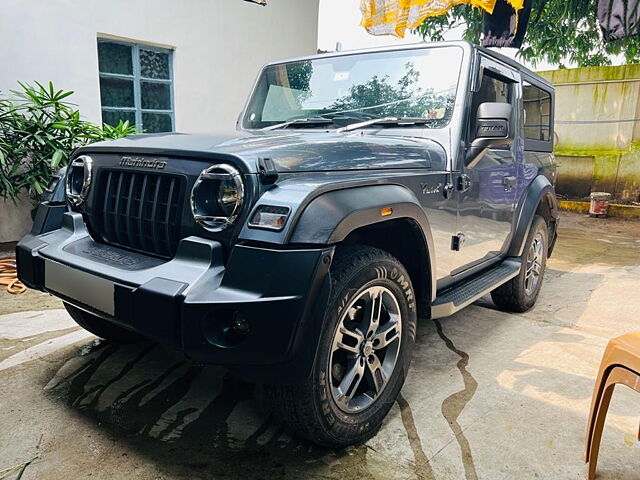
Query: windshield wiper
(388, 121)
(300, 121)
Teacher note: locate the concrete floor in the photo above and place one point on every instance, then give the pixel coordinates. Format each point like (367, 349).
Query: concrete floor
(490, 395)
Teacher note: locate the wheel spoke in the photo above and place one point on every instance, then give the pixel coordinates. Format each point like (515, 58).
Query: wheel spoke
(351, 313)
(348, 348)
(340, 342)
(386, 334)
(372, 312)
(536, 268)
(378, 377)
(538, 248)
(351, 380)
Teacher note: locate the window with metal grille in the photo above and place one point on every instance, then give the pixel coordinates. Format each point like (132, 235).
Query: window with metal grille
(136, 84)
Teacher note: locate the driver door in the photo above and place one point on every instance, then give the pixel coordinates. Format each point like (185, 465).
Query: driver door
(488, 181)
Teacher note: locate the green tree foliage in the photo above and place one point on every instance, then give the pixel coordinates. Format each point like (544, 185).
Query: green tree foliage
(39, 129)
(403, 99)
(299, 76)
(559, 31)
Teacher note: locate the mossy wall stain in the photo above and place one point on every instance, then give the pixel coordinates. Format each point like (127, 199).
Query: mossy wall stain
(617, 173)
(603, 153)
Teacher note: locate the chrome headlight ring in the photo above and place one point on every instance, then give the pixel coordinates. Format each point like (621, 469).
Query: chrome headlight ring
(216, 221)
(77, 187)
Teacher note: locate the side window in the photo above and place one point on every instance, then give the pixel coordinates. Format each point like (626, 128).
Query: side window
(537, 112)
(136, 84)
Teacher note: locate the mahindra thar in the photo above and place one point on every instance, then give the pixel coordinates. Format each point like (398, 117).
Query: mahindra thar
(361, 191)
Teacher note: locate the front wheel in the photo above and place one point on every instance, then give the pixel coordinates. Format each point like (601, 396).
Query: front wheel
(521, 292)
(363, 356)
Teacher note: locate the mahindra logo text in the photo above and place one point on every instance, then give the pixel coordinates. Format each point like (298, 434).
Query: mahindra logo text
(142, 163)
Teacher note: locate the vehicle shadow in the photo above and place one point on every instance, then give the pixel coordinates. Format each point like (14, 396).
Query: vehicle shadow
(189, 418)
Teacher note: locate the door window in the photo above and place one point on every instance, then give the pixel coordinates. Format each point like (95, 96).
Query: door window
(491, 90)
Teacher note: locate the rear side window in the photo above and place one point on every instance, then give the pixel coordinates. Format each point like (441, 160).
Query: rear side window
(537, 113)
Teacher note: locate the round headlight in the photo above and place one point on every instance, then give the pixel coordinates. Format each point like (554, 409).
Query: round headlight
(228, 196)
(217, 197)
(78, 179)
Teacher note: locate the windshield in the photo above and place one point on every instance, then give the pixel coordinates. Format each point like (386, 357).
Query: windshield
(416, 84)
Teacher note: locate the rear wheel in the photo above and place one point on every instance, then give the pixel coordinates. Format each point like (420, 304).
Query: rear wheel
(363, 356)
(101, 327)
(521, 292)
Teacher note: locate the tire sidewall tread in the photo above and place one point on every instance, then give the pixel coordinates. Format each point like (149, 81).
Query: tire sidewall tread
(313, 413)
(512, 296)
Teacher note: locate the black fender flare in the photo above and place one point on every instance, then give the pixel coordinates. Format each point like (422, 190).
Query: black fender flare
(539, 190)
(332, 216)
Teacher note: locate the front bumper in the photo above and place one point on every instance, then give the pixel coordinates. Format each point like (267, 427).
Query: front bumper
(188, 302)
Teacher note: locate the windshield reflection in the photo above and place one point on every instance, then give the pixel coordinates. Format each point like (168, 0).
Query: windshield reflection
(415, 84)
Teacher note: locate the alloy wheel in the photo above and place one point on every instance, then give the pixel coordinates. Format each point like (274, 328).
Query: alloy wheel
(365, 348)
(534, 264)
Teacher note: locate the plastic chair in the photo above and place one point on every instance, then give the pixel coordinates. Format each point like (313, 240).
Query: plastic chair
(620, 365)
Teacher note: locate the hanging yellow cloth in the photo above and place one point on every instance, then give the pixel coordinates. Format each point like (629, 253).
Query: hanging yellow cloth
(393, 17)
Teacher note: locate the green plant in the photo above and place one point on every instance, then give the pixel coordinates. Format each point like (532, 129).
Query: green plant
(39, 129)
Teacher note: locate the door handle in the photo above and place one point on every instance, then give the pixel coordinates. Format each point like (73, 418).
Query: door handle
(509, 182)
(464, 183)
(447, 190)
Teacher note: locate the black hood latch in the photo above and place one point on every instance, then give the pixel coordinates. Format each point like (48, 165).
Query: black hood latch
(267, 171)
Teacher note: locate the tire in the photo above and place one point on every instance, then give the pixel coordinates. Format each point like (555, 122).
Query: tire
(521, 292)
(100, 327)
(328, 409)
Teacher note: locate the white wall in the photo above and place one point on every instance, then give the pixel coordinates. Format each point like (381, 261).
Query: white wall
(219, 47)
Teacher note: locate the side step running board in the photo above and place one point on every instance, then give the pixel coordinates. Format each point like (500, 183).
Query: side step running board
(468, 291)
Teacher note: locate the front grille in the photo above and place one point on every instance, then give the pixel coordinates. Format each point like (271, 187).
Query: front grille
(139, 211)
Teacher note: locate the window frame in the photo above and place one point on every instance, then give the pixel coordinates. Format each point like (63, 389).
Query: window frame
(531, 144)
(137, 79)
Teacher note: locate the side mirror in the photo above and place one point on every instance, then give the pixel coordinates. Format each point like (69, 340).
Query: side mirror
(493, 125)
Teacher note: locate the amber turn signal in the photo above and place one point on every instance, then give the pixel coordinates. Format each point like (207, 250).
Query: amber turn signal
(386, 211)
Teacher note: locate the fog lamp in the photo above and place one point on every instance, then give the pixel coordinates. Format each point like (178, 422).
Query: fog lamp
(225, 327)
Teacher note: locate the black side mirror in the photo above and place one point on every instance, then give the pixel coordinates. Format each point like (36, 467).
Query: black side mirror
(493, 125)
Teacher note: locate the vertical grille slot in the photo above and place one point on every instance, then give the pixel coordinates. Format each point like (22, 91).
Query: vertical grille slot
(139, 210)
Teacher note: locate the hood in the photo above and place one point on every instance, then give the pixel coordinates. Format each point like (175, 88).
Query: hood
(291, 151)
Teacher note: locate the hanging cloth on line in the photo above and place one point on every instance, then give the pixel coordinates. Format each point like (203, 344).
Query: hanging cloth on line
(393, 17)
(505, 27)
(619, 18)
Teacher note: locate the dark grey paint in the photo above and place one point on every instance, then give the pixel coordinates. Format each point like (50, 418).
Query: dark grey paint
(292, 151)
(333, 183)
(313, 162)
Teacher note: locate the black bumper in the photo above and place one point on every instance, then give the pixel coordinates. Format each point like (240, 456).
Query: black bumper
(193, 301)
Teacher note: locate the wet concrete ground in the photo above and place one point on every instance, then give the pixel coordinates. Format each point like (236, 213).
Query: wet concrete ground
(490, 395)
